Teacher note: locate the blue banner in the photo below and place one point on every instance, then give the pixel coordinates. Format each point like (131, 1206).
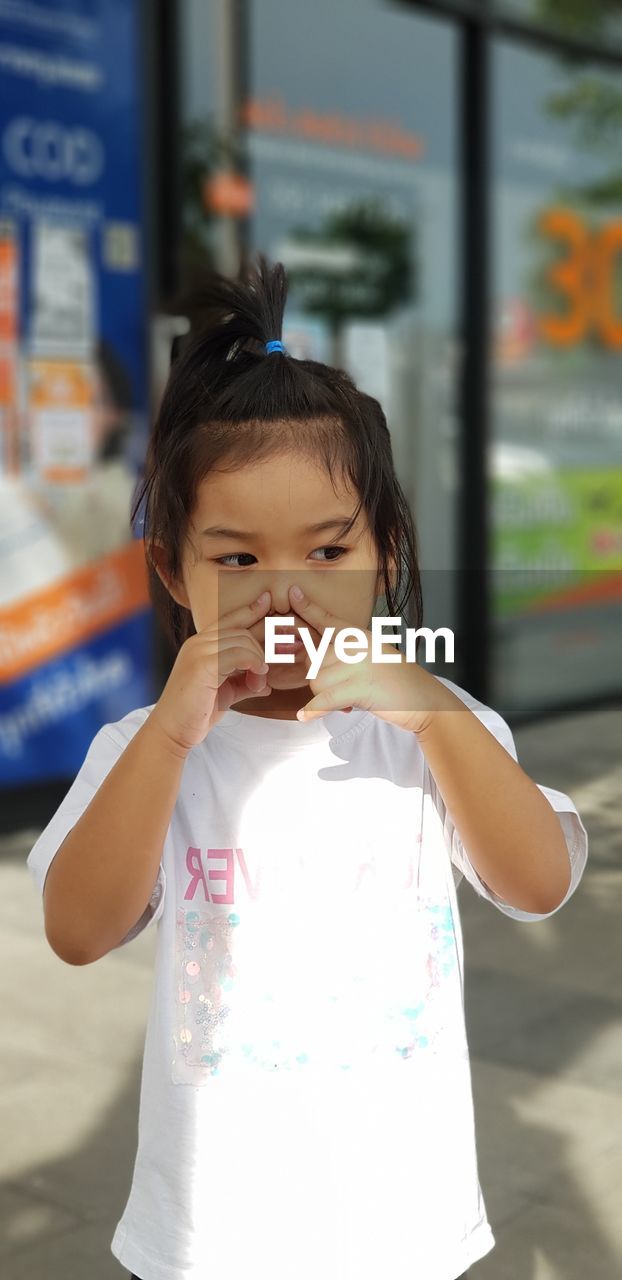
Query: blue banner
(75, 614)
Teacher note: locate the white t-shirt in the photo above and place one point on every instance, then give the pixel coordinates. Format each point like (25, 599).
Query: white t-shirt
(306, 1106)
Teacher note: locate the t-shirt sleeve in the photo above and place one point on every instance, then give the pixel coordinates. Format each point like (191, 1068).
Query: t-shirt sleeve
(572, 826)
(105, 749)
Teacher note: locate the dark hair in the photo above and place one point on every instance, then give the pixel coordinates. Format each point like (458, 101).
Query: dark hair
(228, 402)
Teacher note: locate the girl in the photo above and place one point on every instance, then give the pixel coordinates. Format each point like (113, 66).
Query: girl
(306, 1105)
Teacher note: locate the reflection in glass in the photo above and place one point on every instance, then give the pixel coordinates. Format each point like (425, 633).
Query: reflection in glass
(555, 460)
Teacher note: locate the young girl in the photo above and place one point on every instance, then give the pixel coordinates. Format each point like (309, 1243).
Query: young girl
(306, 1107)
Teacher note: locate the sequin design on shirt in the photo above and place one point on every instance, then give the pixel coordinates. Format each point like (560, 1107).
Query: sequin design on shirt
(303, 995)
(204, 971)
(426, 1030)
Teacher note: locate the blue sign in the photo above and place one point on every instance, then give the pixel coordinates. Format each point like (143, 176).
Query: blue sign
(75, 613)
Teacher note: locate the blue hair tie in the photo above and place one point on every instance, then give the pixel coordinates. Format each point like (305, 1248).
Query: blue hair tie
(275, 345)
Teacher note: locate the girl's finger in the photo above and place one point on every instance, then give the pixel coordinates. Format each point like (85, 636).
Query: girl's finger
(330, 661)
(235, 656)
(246, 614)
(247, 691)
(333, 699)
(236, 688)
(316, 615)
(335, 674)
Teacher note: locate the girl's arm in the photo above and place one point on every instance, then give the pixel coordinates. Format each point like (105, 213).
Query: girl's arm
(511, 833)
(101, 878)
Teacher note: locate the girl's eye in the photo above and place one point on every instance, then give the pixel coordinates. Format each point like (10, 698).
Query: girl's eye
(235, 554)
(330, 547)
(222, 559)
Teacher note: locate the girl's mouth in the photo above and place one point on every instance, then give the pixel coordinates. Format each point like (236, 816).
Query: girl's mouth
(293, 646)
(282, 639)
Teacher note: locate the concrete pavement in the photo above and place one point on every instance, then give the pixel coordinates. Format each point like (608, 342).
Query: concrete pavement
(545, 1030)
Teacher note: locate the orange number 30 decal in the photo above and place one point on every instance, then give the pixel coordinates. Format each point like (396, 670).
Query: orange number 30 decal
(586, 278)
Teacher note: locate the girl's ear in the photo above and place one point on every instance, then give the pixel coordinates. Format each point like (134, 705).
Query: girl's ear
(175, 588)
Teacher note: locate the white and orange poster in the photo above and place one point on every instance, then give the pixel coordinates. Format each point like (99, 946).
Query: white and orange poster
(75, 614)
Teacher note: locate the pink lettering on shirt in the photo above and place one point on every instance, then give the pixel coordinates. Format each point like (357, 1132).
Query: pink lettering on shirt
(390, 869)
(199, 875)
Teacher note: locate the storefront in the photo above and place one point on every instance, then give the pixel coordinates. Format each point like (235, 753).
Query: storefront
(443, 184)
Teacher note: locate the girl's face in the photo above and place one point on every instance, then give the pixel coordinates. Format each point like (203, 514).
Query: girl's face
(269, 509)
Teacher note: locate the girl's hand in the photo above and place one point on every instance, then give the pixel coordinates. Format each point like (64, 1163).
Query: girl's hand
(402, 693)
(218, 666)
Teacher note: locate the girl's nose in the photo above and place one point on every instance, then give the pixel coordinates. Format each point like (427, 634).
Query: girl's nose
(280, 602)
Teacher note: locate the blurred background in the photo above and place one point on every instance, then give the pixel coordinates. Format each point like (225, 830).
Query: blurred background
(443, 182)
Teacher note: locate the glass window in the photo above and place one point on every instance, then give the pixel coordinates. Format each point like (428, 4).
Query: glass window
(346, 173)
(594, 21)
(556, 378)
